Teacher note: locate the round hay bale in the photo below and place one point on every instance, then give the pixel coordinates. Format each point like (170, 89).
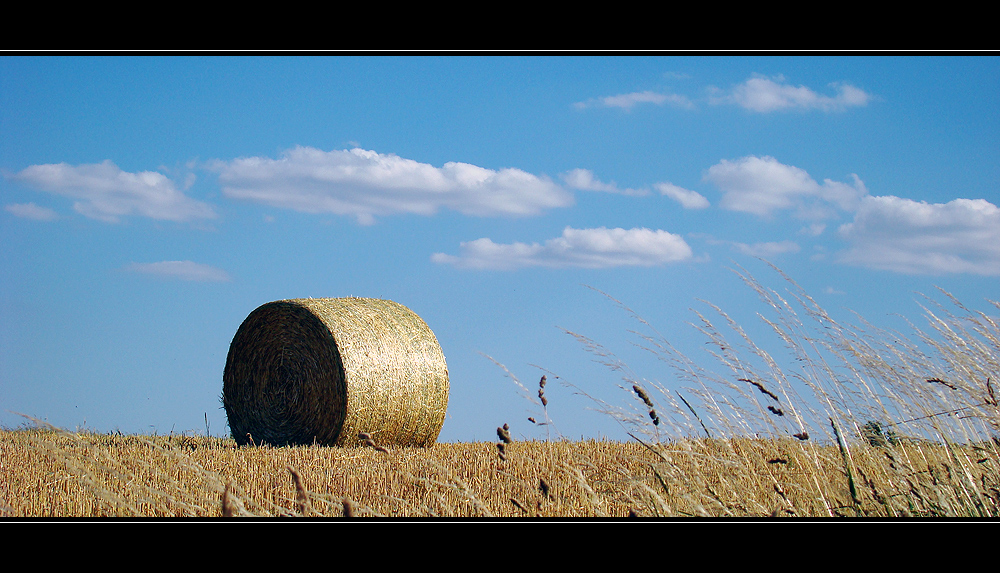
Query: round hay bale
(324, 370)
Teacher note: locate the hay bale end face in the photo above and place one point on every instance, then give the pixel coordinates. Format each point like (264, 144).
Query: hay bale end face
(323, 370)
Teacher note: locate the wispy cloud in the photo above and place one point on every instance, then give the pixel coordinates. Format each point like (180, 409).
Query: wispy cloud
(31, 211)
(584, 180)
(762, 185)
(630, 100)
(768, 249)
(104, 192)
(765, 95)
(760, 249)
(902, 235)
(181, 270)
(813, 230)
(687, 198)
(365, 184)
(586, 248)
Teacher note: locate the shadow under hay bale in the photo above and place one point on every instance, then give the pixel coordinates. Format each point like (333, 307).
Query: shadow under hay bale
(323, 370)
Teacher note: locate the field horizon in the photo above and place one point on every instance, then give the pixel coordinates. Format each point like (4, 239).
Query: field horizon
(59, 474)
(865, 422)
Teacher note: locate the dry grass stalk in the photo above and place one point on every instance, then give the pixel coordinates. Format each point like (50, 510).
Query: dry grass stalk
(739, 477)
(301, 494)
(349, 510)
(908, 425)
(367, 440)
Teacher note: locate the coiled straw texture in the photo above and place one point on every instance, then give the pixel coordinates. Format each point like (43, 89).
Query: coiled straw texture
(321, 371)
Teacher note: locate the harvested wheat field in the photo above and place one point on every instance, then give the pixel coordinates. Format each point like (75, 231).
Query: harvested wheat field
(865, 423)
(49, 473)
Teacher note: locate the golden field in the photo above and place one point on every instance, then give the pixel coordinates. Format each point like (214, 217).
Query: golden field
(49, 473)
(865, 423)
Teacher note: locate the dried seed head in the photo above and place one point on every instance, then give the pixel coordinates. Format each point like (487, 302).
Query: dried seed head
(367, 440)
(803, 436)
(545, 401)
(532, 420)
(760, 387)
(348, 507)
(654, 417)
(642, 395)
(541, 383)
(301, 495)
(504, 434)
(543, 487)
(228, 506)
(940, 381)
(776, 411)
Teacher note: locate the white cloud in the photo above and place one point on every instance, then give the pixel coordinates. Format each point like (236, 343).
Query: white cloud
(32, 211)
(586, 248)
(761, 185)
(902, 235)
(765, 95)
(687, 198)
(182, 270)
(105, 192)
(630, 100)
(584, 180)
(766, 250)
(365, 184)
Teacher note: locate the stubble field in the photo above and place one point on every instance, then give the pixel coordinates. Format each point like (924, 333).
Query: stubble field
(62, 474)
(865, 423)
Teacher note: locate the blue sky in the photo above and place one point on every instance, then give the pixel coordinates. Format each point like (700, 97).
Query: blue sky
(150, 203)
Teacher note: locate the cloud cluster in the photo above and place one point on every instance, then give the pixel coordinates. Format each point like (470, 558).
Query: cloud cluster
(103, 191)
(762, 185)
(181, 270)
(584, 248)
(365, 184)
(906, 236)
(764, 95)
(758, 94)
(887, 232)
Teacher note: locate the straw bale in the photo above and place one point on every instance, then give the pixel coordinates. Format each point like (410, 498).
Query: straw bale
(323, 370)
